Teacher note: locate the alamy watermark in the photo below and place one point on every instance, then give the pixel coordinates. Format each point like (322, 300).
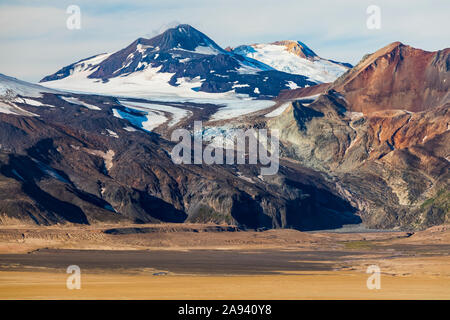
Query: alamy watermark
(374, 281)
(236, 147)
(74, 280)
(374, 19)
(73, 22)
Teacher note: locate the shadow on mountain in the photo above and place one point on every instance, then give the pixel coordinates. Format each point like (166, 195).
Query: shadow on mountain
(25, 170)
(319, 209)
(314, 209)
(159, 209)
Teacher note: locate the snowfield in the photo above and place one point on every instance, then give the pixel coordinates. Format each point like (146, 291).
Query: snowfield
(148, 84)
(151, 84)
(279, 58)
(242, 108)
(22, 88)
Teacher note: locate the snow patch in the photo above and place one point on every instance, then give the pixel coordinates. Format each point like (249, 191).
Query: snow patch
(292, 85)
(112, 133)
(79, 102)
(11, 108)
(241, 86)
(278, 110)
(33, 103)
(130, 129)
(206, 50)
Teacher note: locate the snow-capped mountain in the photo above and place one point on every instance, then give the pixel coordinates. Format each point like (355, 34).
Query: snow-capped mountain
(294, 57)
(181, 61)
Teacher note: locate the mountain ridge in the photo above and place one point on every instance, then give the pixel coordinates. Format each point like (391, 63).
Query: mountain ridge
(346, 157)
(186, 55)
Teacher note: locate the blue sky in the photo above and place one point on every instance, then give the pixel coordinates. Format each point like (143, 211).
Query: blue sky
(35, 41)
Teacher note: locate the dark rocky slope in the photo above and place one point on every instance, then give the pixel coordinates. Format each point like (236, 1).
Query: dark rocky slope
(64, 166)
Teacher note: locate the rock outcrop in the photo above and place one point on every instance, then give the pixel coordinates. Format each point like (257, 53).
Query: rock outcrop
(391, 165)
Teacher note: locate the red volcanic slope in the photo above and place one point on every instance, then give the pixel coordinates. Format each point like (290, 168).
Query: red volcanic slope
(397, 77)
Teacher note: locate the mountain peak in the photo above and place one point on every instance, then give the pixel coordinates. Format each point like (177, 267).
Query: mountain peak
(390, 47)
(183, 36)
(298, 48)
(395, 44)
(184, 27)
(419, 78)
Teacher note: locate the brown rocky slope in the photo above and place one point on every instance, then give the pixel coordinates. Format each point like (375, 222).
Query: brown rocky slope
(381, 132)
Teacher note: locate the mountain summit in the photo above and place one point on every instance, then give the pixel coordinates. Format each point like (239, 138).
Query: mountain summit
(397, 76)
(298, 48)
(184, 37)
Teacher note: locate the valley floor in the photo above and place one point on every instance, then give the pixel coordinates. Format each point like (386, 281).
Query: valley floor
(319, 285)
(214, 262)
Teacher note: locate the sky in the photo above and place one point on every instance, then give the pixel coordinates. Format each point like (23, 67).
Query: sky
(35, 40)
